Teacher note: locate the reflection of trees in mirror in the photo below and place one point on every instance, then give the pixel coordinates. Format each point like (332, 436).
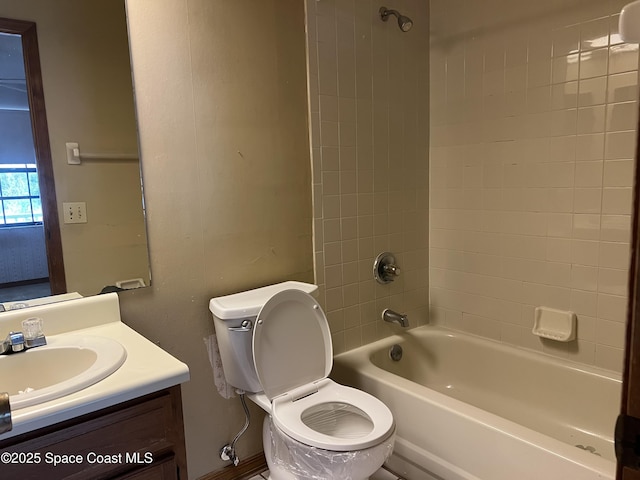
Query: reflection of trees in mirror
(19, 195)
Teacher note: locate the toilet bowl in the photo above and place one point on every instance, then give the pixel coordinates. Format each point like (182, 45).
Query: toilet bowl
(288, 459)
(275, 344)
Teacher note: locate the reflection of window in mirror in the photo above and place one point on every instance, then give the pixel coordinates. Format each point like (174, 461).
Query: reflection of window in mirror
(21, 218)
(19, 195)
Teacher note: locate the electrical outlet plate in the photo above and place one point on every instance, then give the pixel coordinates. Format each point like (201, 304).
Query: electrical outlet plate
(75, 212)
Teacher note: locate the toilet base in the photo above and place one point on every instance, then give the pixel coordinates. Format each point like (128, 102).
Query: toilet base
(359, 469)
(275, 471)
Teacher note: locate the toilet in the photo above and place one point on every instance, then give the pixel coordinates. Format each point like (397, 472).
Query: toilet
(275, 345)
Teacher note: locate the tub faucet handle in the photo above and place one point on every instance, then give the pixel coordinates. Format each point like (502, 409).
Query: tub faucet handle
(385, 269)
(391, 269)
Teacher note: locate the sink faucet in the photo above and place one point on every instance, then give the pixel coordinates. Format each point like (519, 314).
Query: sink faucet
(5, 413)
(13, 343)
(19, 342)
(389, 315)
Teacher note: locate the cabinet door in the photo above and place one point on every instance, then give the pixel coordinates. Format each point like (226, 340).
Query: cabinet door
(133, 437)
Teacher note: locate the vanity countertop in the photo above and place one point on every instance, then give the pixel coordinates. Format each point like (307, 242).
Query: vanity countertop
(146, 369)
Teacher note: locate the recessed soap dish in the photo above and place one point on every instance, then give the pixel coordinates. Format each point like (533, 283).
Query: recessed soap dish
(559, 325)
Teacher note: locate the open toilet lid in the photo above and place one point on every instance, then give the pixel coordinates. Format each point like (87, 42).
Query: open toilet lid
(291, 343)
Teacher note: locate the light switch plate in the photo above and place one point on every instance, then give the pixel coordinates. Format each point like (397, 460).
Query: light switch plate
(75, 212)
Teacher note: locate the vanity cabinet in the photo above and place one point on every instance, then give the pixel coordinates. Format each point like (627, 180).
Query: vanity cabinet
(141, 439)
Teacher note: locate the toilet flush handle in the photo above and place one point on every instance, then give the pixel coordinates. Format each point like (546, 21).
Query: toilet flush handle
(245, 326)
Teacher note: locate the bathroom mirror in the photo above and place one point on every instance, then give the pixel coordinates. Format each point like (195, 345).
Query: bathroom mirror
(88, 98)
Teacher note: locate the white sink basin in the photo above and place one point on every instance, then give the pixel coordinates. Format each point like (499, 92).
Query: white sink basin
(66, 365)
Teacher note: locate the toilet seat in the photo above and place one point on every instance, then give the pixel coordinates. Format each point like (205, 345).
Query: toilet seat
(293, 356)
(350, 432)
(291, 343)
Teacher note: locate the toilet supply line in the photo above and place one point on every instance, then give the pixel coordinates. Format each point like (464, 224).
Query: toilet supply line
(228, 452)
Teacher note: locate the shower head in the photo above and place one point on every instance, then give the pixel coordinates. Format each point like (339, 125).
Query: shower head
(405, 23)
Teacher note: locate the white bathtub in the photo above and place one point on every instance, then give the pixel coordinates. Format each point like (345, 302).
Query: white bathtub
(471, 408)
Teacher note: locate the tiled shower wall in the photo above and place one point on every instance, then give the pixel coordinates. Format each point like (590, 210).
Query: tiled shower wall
(368, 85)
(533, 117)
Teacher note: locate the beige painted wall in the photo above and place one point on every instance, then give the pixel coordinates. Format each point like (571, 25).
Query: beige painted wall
(369, 103)
(534, 114)
(87, 85)
(222, 108)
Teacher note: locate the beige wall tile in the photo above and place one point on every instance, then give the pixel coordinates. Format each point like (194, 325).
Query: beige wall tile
(594, 63)
(611, 307)
(622, 87)
(613, 281)
(594, 34)
(591, 119)
(616, 228)
(588, 174)
(584, 277)
(541, 195)
(617, 201)
(618, 173)
(371, 161)
(622, 116)
(623, 58)
(620, 145)
(593, 91)
(590, 147)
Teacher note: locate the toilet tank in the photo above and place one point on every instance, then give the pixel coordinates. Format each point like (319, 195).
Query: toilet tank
(233, 317)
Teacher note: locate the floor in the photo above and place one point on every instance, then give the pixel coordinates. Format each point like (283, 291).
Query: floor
(381, 474)
(25, 292)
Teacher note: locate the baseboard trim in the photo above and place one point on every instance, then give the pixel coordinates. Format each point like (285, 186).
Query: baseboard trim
(251, 466)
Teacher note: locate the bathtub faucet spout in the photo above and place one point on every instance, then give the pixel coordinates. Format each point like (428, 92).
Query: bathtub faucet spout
(389, 315)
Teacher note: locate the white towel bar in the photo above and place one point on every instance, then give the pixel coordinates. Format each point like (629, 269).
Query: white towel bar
(74, 157)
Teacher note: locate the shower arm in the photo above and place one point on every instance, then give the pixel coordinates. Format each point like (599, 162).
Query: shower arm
(385, 13)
